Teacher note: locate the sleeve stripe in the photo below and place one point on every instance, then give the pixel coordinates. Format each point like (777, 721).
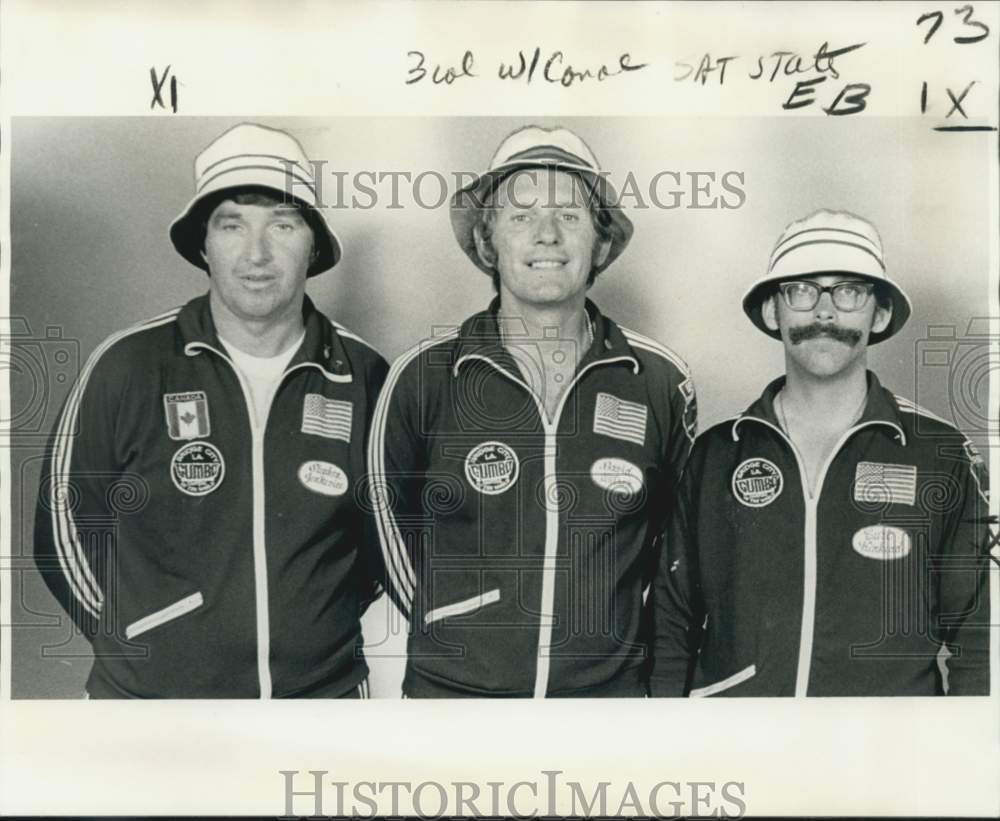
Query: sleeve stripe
(645, 342)
(908, 406)
(342, 331)
(69, 549)
(397, 559)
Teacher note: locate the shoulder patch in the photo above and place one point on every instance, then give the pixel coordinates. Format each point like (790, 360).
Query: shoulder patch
(977, 470)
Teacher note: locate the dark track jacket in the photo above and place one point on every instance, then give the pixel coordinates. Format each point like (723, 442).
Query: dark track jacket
(520, 548)
(763, 590)
(201, 556)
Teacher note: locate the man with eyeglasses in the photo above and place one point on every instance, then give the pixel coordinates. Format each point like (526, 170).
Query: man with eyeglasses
(832, 539)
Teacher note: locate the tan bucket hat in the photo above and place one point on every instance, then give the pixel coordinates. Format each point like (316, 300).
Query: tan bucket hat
(536, 147)
(251, 155)
(829, 242)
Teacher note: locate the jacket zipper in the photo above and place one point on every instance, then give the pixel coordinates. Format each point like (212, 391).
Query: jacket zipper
(547, 617)
(262, 609)
(808, 626)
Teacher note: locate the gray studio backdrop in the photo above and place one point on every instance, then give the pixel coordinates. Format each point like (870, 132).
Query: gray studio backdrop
(92, 199)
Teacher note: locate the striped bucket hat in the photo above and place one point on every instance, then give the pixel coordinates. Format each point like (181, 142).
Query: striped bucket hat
(828, 242)
(536, 147)
(253, 156)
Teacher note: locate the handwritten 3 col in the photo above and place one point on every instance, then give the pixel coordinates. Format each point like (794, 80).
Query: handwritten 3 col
(551, 67)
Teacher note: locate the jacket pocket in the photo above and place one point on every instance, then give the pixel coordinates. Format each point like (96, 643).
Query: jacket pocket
(726, 683)
(464, 606)
(168, 613)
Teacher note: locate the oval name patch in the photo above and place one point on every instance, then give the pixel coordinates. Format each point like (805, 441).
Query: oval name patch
(323, 477)
(617, 475)
(881, 542)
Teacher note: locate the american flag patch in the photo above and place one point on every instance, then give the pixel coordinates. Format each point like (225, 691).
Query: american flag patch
(620, 418)
(879, 483)
(327, 417)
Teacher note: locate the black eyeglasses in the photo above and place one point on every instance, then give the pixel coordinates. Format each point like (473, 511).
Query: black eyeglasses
(802, 295)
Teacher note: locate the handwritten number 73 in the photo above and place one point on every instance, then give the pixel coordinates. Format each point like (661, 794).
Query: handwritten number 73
(936, 18)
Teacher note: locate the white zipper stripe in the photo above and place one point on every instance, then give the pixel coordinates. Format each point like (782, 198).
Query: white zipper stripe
(168, 613)
(546, 615)
(809, 614)
(262, 611)
(464, 606)
(394, 552)
(726, 683)
(260, 560)
(807, 630)
(808, 627)
(69, 549)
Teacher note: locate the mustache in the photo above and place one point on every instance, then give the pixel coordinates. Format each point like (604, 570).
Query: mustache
(849, 336)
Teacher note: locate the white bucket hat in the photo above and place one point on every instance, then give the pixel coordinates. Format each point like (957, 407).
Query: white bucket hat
(251, 155)
(829, 242)
(536, 147)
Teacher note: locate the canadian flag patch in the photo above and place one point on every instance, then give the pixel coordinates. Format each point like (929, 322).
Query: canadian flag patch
(187, 415)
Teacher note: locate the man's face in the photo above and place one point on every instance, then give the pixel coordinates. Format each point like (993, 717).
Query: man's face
(825, 341)
(544, 238)
(258, 256)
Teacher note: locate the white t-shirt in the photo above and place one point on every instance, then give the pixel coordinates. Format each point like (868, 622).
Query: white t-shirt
(262, 374)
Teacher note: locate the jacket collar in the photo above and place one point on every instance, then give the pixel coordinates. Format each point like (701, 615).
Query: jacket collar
(322, 347)
(479, 338)
(880, 409)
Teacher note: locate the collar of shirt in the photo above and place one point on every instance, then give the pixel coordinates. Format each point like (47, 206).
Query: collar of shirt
(479, 338)
(880, 409)
(322, 347)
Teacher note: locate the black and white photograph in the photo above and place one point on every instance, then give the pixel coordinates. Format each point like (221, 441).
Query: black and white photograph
(496, 384)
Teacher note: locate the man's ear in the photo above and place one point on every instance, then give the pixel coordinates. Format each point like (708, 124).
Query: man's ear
(601, 251)
(484, 248)
(881, 318)
(769, 312)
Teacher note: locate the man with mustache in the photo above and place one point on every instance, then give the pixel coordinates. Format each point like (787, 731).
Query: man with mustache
(832, 539)
(198, 517)
(528, 458)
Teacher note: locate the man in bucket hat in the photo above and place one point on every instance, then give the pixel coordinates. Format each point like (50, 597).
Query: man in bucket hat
(197, 517)
(524, 461)
(830, 540)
